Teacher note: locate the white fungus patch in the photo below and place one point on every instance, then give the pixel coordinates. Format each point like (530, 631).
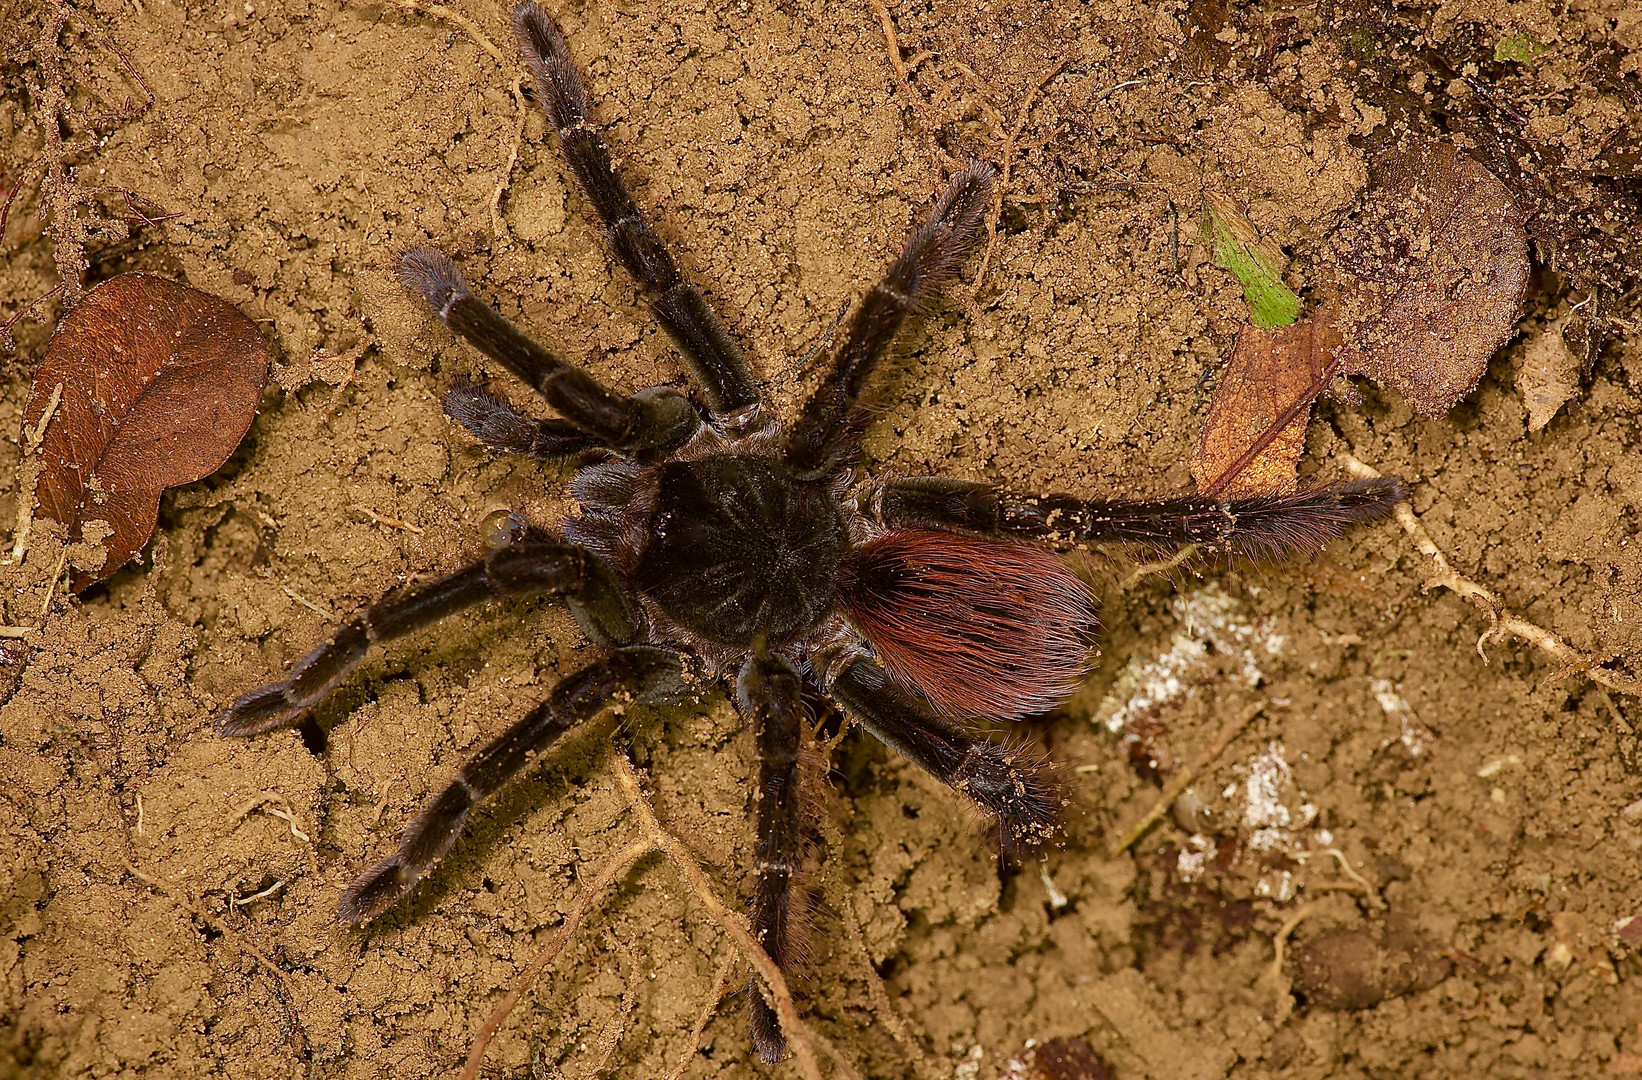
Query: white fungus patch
(1209, 620)
(1414, 735)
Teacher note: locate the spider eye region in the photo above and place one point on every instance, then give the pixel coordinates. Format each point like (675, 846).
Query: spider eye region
(983, 628)
(737, 550)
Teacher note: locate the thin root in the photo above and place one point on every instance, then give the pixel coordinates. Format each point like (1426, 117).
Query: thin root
(440, 11)
(1183, 778)
(1501, 621)
(496, 221)
(283, 989)
(721, 982)
(615, 867)
(798, 1036)
(1007, 154)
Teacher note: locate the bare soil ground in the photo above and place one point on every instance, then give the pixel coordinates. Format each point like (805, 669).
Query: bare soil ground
(1474, 819)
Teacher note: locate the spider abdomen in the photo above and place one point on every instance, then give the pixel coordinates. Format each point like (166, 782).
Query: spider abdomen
(736, 549)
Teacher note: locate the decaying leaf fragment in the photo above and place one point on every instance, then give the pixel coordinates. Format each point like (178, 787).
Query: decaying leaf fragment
(1549, 375)
(148, 384)
(1431, 274)
(1268, 372)
(1425, 285)
(1258, 265)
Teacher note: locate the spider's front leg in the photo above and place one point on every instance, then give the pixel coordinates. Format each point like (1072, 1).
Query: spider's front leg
(637, 672)
(1252, 526)
(770, 693)
(712, 354)
(828, 430)
(1009, 784)
(584, 579)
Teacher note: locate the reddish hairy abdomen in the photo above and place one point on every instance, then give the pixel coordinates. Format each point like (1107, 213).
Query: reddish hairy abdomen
(983, 628)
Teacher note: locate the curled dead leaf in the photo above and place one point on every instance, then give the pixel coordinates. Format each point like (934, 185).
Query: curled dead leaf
(1431, 272)
(146, 384)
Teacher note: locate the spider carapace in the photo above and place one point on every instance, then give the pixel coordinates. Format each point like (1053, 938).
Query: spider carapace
(718, 534)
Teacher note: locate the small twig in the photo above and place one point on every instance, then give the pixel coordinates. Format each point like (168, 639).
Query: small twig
(392, 523)
(37, 434)
(440, 11)
(904, 82)
(496, 222)
(1501, 621)
(613, 868)
(1183, 778)
(51, 586)
(17, 631)
(1007, 154)
(792, 1027)
(139, 813)
(299, 1032)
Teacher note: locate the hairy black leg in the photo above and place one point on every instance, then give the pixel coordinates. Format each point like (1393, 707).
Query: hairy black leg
(657, 419)
(770, 693)
(827, 430)
(1009, 784)
(581, 577)
(1253, 526)
(713, 355)
(638, 672)
(494, 421)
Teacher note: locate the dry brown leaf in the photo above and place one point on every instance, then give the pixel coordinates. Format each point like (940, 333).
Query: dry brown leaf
(158, 384)
(1549, 375)
(1269, 373)
(1430, 276)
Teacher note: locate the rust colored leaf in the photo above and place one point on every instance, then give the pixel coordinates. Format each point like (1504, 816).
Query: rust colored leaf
(1266, 391)
(1432, 270)
(158, 384)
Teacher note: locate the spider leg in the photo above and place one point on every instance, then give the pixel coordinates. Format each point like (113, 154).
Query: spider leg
(655, 419)
(637, 672)
(1010, 785)
(712, 354)
(584, 579)
(1253, 526)
(828, 429)
(770, 693)
(494, 421)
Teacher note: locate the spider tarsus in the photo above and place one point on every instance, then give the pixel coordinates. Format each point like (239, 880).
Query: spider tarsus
(548, 56)
(374, 891)
(429, 273)
(768, 1041)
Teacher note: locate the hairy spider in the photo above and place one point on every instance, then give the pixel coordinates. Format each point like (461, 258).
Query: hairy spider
(756, 545)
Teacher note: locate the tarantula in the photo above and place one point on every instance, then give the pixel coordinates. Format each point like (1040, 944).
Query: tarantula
(756, 546)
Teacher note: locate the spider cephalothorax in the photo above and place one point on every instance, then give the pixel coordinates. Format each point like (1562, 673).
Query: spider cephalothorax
(918, 605)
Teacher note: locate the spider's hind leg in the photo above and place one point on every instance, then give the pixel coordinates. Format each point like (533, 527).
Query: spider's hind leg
(638, 672)
(770, 693)
(584, 579)
(1011, 785)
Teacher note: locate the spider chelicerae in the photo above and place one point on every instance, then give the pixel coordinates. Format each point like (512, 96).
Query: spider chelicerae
(755, 547)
